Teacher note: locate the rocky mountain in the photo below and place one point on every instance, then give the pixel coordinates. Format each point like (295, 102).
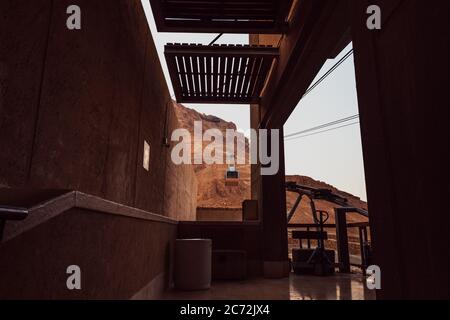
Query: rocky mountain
(212, 191)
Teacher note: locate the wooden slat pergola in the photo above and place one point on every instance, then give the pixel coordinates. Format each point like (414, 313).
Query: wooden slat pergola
(228, 74)
(221, 16)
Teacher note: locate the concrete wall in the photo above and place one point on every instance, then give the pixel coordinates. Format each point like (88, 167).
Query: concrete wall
(76, 106)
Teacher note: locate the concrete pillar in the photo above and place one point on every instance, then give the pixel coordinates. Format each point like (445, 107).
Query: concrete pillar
(271, 195)
(402, 82)
(274, 220)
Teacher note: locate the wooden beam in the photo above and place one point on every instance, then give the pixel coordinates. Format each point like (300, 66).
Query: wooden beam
(237, 27)
(256, 16)
(316, 30)
(220, 50)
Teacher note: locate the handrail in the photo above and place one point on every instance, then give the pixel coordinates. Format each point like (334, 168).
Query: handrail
(10, 213)
(327, 225)
(310, 225)
(13, 213)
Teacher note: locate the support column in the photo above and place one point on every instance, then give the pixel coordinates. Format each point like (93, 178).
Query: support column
(255, 176)
(342, 240)
(402, 82)
(274, 220)
(271, 194)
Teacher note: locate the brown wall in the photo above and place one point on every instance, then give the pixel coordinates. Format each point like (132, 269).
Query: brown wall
(402, 82)
(76, 106)
(119, 256)
(219, 214)
(75, 109)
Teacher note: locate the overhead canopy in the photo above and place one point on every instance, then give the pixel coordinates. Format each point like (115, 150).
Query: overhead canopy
(219, 74)
(221, 16)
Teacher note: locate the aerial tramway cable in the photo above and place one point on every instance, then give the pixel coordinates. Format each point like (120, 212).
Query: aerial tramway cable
(341, 61)
(331, 129)
(306, 133)
(356, 116)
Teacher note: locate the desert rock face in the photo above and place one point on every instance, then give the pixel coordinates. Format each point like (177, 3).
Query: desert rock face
(213, 193)
(303, 213)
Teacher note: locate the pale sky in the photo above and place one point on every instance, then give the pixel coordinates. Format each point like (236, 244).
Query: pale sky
(335, 156)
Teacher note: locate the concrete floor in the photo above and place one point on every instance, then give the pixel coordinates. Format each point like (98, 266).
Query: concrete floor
(338, 287)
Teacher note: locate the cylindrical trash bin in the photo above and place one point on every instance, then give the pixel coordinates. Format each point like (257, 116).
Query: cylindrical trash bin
(192, 269)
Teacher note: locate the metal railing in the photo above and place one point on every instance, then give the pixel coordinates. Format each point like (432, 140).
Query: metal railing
(341, 226)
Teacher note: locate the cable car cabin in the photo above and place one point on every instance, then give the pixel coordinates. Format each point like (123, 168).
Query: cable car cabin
(232, 177)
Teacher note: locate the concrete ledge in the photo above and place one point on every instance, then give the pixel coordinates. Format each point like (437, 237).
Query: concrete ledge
(221, 223)
(48, 209)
